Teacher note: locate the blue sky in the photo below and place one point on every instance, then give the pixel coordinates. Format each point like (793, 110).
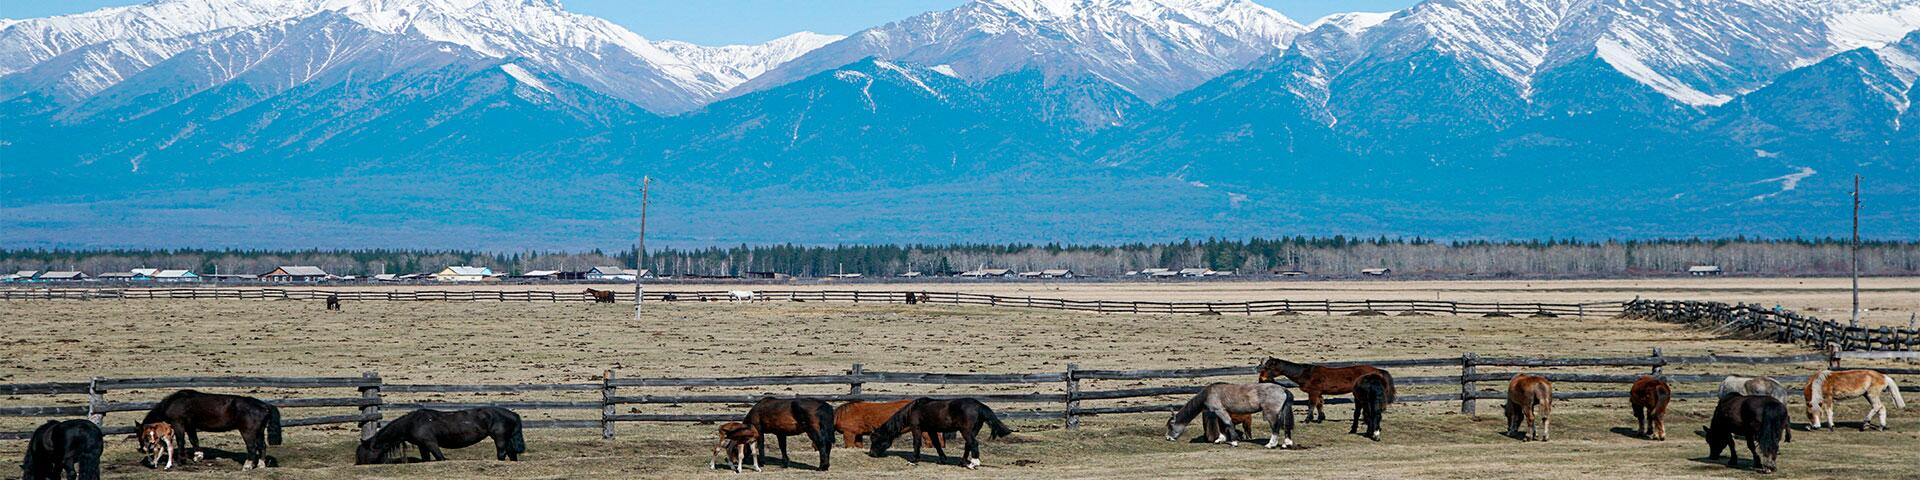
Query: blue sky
(715, 22)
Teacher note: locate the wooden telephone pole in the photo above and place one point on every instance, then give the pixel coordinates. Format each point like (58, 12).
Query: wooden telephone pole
(640, 249)
(1854, 321)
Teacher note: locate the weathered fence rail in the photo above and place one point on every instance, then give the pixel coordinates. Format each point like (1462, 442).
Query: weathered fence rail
(1784, 326)
(1061, 394)
(1256, 307)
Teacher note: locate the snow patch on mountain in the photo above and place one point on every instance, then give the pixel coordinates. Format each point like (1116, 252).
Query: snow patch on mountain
(1872, 28)
(910, 77)
(1622, 58)
(736, 64)
(525, 77)
(1351, 22)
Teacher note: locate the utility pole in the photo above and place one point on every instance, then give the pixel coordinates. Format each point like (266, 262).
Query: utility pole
(640, 249)
(1854, 321)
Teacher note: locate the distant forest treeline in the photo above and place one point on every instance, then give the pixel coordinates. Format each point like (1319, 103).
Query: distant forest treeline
(1334, 256)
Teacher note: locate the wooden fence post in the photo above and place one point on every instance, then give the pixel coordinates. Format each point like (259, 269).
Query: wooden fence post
(96, 402)
(858, 369)
(1073, 391)
(1658, 368)
(370, 392)
(607, 392)
(1466, 383)
(1833, 358)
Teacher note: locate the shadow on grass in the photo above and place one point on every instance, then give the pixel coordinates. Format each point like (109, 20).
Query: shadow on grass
(213, 454)
(1747, 464)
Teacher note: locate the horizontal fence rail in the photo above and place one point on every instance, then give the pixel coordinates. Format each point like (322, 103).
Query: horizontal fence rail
(1060, 396)
(1784, 326)
(1256, 307)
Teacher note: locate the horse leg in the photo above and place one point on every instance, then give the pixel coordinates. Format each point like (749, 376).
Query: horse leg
(784, 461)
(1533, 424)
(916, 451)
(1355, 426)
(1640, 419)
(193, 438)
(852, 441)
(1316, 408)
(1874, 405)
(256, 441)
(438, 456)
(425, 456)
(1826, 405)
(1226, 420)
(500, 447)
(971, 450)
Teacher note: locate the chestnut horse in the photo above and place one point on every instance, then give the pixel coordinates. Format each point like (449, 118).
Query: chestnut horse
(600, 296)
(935, 417)
(737, 439)
(1827, 386)
(191, 412)
(783, 417)
(857, 418)
(1530, 398)
(1317, 382)
(1650, 396)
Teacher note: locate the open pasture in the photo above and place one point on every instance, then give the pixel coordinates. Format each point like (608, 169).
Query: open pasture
(485, 342)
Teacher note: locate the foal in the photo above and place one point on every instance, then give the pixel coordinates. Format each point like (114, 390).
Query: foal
(156, 440)
(738, 440)
(1829, 385)
(1529, 397)
(1650, 397)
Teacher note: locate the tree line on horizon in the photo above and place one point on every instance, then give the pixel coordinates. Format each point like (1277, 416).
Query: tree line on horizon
(1327, 256)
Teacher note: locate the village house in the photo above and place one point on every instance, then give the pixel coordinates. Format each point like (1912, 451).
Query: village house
(62, 276)
(1376, 272)
(1194, 272)
(616, 274)
(1057, 273)
(296, 273)
(768, 275)
(989, 273)
(22, 276)
(1705, 270)
(176, 276)
(1293, 273)
(538, 275)
(463, 273)
(133, 276)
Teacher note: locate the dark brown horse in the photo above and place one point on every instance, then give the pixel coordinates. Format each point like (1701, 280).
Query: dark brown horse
(935, 417)
(333, 302)
(71, 447)
(1650, 396)
(429, 430)
(1762, 419)
(191, 412)
(1371, 394)
(600, 296)
(799, 416)
(1318, 382)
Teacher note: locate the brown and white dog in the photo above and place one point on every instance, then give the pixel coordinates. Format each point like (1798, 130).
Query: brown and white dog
(739, 440)
(156, 440)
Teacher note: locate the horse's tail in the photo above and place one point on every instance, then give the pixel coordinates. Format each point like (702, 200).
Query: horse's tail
(516, 442)
(1772, 430)
(1817, 388)
(273, 425)
(1391, 391)
(1898, 402)
(828, 424)
(1000, 430)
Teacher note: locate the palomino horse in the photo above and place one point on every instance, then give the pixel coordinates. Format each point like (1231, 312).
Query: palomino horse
(935, 417)
(857, 418)
(1762, 419)
(1650, 396)
(191, 412)
(1222, 400)
(1766, 386)
(71, 447)
(1371, 394)
(1530, 398)
(1826, 387)
(799, 416)
(1318, 381)
(737, 439)
(156, 440)
(429, 430)
(600, 296)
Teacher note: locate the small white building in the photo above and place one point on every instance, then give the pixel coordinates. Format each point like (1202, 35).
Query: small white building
(539, 275)
(63, 276)
(463, 273)
(296, 273)
(989, 273)
(176, 276)
(616, 274)
(1376, 272)
(1194, 272)
(1057, 273)
(1705, 270)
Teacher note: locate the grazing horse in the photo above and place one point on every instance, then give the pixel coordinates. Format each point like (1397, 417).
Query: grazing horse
(1756, 386)
(1317, 381)
(1762, 419)
(71, 447)
(798, 416)
(1530, 398)
(737, 439)
(333, 302)
(1650, 396)
(1221, 400)
(1826, 387)
(934, 417)
(191, 412)
(1371, 394)
(156, 440)
(600, 296)
(857, 418)
(429, 430)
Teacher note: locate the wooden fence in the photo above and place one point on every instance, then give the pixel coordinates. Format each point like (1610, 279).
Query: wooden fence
(1069, 404)
(1256, 307)
(1785, 326)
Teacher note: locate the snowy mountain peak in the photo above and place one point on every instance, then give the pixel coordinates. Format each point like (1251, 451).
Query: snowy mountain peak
(738, 63)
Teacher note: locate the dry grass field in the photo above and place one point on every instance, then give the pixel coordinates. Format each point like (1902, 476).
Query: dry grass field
(486, 342)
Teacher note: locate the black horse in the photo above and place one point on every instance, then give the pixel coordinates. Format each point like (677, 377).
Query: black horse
(1371, 394)
(429, 430)
(964, 415)
(799, 416)
(1762, 419)
(71, 447)
(191, 412)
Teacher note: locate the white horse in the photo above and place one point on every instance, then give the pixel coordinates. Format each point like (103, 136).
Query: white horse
(1222, 400)
(742, 295)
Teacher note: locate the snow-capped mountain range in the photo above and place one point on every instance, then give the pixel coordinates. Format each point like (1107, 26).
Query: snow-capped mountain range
(1222, 97)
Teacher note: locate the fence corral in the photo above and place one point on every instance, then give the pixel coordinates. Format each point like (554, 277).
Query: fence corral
(1069, 403)
(1257, 307)
(1784, 326)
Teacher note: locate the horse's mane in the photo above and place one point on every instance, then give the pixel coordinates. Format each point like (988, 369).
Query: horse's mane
(898, 422)
(1193, 408)
(155, 414)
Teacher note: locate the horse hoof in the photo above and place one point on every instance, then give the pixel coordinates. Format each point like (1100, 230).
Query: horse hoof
(1233, 444)
(973, 464)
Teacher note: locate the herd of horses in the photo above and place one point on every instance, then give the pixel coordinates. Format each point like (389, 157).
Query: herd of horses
(1752, 408)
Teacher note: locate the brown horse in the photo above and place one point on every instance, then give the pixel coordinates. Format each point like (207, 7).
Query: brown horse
(1761, 419)
(1650, 396)
(1318, 382)
(798, 416)
(934, 417)
(333, 302)
(1829, 385)
(857, 418)
(1530, 398)
(738, 440)
(600, 296)
(191, 412)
